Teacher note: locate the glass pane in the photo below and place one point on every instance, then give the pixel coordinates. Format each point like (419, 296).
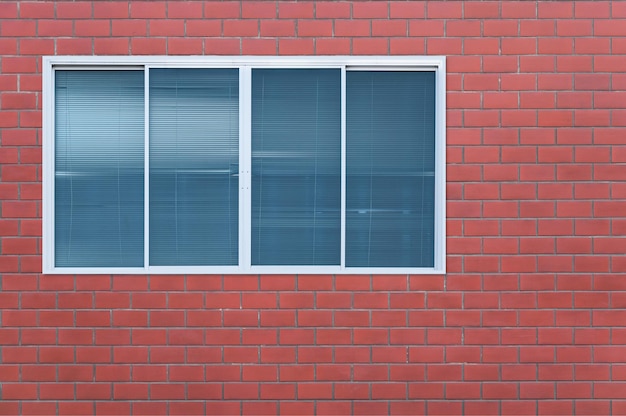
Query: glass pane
(99, 160)
(194, 157)
(296, 166)
(390, 163)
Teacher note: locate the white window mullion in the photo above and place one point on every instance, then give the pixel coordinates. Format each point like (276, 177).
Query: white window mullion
(146, 173)
(440, 168)
(245, 166)
(343, 168)
(48, 128)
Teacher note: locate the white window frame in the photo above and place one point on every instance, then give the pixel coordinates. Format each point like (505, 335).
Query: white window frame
(436, 64)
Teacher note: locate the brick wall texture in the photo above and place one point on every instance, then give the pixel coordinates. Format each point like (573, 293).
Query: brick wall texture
(529, 319)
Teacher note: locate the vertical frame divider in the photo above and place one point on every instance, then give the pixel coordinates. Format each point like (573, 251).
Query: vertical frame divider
(48, 168)
(440, 166)
(146, 173)
(342, 259)
(245, 167)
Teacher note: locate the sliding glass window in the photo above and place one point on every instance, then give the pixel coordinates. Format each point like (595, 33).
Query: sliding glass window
(390, 190)
(244, 165)
(296, 166)
(194, 162)
(99, 168)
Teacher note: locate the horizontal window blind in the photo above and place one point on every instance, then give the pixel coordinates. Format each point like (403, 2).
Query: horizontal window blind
(296, 166)
(99, 168)
(194, 164)
(390, 164)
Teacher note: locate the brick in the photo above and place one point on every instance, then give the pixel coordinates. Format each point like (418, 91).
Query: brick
(314, 391)
(275, 28)
(369, 10)
(500, 173)
(448, 46)
(592, 407)
(204, 28)
(18, 28)
(258, 9)
(9, 83)
(563, 9)
(184, 9)
(145, 10)
(444, 336)
(389, 28)
(89, 28)
(500, 28)
(609, 63)
(426, 28)
(18, 65)
(169, 27)
(518, 9)
(499, 318)
(167, 391)
(57, 28)
(74, 46)
(73, 10)
(21, 391)
(332, 46)
(135, 27)
(610, 28)
(222, 46)
(114, 9)
(8, 10)
(339, 9)
(389, 391)
(314, 28)
(352, 28)
(295, 10)
(401, 9)
(148, 46)
(466, 390)
(553, 46)
(609, 99)
(36, 47)
(608, 390)
(518, 46)
(449, 10)
(519, 191)
(426, 390)
(480, 10)
(591, 45)
(463, 64)
(241, 28)
(32, 10)
(574, 27)
(221, 9)
(277, 318)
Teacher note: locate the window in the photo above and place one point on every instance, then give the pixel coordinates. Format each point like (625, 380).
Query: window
(244, 165)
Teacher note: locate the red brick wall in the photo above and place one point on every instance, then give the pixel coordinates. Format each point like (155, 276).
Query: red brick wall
(529, 318)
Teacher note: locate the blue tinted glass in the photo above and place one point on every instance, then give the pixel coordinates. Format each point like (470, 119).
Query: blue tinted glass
(194, 162)
(99, 166)
(296, 166)
(390, 163)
